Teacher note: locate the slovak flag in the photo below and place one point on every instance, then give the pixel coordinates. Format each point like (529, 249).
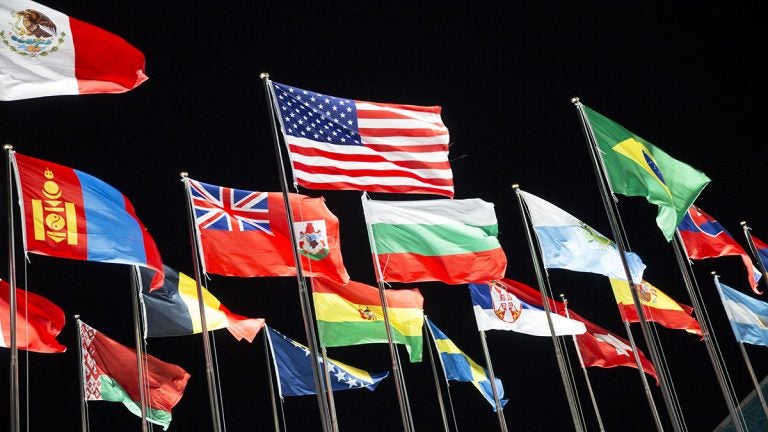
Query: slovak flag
(704, 237)
(44, 52)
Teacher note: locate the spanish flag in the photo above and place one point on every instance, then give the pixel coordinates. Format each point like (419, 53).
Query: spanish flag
(351, 314)
(657, 307)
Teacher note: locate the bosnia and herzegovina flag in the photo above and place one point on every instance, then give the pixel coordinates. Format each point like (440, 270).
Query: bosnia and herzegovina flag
(352, 314)
(294, 369)
(71, 214)
(638, 168)
(174, 310)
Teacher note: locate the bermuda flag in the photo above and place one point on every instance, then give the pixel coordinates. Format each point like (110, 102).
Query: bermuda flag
(337, 143)
(704, 237)
(44, 52)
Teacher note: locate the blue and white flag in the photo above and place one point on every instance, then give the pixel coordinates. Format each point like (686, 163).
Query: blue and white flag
(748, 316)
(459, 367)
(570, 244)
(498, 309)
(294, 370)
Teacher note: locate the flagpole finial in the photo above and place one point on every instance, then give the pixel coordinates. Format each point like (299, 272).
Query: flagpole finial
(7, 147)
(743, 223)
(575, 100)
(515, 186)
(76, 316)
(184, 174)
(263, 75)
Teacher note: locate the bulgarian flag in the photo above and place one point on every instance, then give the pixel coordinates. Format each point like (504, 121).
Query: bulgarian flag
(351, 314)
(110, 373)
(44, 52)
(453, 241)
(657, 307)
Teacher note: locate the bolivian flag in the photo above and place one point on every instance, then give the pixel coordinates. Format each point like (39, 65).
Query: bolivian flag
(351, 314)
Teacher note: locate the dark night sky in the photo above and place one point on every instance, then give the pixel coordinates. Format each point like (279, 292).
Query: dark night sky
(684, 76)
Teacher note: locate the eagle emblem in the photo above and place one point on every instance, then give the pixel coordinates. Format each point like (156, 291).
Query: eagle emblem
(32, 34)
(506, 305)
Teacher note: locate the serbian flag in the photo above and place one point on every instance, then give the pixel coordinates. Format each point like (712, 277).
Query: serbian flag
(704, 237)
(44, 52)
(71, 214)
(245, 233)
(657, 307)
(38, 321)
(174, 310)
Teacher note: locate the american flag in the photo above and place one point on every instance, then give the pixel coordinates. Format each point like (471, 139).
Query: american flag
(221, 208)
(337, 143)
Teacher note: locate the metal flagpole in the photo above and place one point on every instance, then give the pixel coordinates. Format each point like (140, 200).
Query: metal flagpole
(306, 308)
(717, 363)
(213, 396)
(276, 419)
(753, 248)
(733, 406)
(584, 369)
(605, 193)
(329, 391)
(139, 349)
(758, 390)
(402, 395)
(535, 256)
(83, 405)
(496, 399)
(14, 363)
(434, 375)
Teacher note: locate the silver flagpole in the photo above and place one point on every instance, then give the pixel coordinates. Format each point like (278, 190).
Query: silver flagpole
(402, 394)
(306, 305)
(584, 369)
(611, 212)
(83, 405)
(213, 396)
(434, 375)
(139, 349)
(758, 390)
(14, 363)
(709, 340)
(535, 256)
(753, 249)
(329, 391)
(496, 399)
(264, 332)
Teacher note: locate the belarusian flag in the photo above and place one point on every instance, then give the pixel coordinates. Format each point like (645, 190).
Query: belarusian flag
(352, 315)
(44, 52)
(111, 374)
(453, 241)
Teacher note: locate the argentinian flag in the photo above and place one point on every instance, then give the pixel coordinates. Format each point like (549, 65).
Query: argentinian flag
(570, 244)
(748, 316)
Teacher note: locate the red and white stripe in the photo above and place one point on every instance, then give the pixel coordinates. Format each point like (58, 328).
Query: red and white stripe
(405, 150)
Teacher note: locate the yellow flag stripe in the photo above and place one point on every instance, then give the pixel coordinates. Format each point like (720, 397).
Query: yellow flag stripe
(214, 318)
(333, 308)
(658, 299)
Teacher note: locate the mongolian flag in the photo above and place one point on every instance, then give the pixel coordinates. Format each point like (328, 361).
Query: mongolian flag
(245, 233)
(70, 214)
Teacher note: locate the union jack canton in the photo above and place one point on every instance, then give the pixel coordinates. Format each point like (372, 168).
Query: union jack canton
(227, 209)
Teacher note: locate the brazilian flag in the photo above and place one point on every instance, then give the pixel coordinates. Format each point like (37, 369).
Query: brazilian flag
(636, 167)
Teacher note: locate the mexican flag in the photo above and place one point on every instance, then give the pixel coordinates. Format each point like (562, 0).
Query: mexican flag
(352, 315)
(111, 374)
(453, 241)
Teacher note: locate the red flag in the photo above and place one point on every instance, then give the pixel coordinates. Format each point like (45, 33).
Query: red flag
(111, 374)
(245, 233)
(38, 321)
(598, 346)
(704, 237)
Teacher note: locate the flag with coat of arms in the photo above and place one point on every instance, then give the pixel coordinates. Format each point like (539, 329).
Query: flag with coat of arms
(245, 233)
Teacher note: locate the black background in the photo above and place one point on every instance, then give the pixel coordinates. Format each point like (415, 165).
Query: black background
(685, 76)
